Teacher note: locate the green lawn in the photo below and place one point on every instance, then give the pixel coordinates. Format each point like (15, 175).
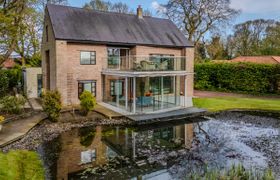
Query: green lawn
(227, 103)
(21, 165)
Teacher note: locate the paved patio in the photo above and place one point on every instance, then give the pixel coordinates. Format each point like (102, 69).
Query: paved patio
(166, 116)
(15, 130)
(108, 113)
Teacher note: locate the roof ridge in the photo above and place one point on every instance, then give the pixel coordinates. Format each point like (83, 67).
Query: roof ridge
(102, 11)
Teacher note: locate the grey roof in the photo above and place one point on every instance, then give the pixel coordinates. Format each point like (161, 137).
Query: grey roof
(77, 24)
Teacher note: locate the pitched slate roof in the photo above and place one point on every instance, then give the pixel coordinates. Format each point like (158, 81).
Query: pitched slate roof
(258, 59)
(77, 24)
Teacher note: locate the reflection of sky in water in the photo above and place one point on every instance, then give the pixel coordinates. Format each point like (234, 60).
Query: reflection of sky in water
(169, 152)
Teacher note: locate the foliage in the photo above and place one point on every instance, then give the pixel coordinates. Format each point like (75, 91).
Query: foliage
(197, 17)
(228, 103)
(2, 119)
(23, 165)
(216, 49)
(4, 83)
(234, 173)
(15, 77)
(21, 27)
(237, 77)
(34, 61)
(12, 104)
(88, 102)
(52, 104)
(10, 79)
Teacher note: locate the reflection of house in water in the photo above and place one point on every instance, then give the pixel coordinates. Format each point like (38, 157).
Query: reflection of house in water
(74, 157)
(93, 147)
(128, 142)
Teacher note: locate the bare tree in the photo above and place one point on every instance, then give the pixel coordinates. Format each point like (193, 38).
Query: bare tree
(118, 7)
(248, 36)
(197, 17)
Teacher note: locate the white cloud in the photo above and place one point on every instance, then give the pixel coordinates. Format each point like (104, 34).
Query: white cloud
(157, 7)
(256, 6)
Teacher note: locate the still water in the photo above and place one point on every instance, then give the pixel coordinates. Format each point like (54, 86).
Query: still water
(161, 151)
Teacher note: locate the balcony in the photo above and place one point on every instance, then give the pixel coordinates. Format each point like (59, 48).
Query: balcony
(145, 63)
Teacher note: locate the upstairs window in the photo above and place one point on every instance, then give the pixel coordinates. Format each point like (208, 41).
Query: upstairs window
(88, 58)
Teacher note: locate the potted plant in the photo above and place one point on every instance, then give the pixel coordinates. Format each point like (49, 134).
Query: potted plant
(1, 122)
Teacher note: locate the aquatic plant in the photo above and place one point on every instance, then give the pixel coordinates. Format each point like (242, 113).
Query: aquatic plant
(234, 173)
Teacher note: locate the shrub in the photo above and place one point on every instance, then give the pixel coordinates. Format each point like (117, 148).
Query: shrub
(10, 79)
(12, 104)
(87, 103)
(238, 77)
(52, 104)
(4, 83)
(15, 77)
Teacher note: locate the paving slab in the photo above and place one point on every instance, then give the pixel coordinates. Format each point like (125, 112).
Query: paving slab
(15, 130)
(35, 104)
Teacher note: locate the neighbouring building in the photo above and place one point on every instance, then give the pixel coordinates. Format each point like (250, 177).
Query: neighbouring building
(32, 82)
(10, 62)
(257, 59)
(130, 63)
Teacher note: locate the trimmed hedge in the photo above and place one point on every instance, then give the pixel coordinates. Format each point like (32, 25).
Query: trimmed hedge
(238, 77)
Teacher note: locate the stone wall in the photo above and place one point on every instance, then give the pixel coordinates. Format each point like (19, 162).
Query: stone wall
(31, 82)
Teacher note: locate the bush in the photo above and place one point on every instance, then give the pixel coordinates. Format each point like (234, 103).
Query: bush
(10, 79)
(4, 83)
(12, 104)
(87, 103)
(52, 104)
(238, 77)
(15, 77)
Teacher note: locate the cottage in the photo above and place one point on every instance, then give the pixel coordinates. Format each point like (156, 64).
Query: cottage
(130, 63)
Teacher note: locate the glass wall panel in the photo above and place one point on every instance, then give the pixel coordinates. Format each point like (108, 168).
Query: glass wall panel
(151, 93)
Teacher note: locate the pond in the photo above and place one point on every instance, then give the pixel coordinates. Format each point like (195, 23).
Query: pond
(167, 150)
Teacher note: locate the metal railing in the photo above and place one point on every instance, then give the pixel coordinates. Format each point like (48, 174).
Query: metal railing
(145, 63)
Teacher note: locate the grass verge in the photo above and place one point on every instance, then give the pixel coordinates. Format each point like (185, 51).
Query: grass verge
(21, 165)
(228, 103)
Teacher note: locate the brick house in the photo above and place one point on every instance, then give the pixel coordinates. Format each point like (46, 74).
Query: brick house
(131, 63)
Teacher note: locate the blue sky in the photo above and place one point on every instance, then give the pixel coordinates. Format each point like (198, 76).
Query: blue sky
(251, 9)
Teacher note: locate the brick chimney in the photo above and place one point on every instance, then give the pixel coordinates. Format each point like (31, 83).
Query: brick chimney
(140, 12)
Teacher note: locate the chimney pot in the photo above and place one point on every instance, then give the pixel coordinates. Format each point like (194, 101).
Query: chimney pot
(140, 12)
